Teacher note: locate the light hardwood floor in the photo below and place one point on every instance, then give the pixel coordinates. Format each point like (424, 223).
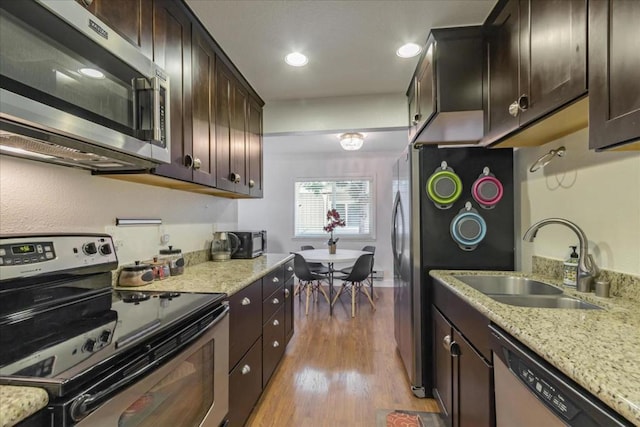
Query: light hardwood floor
(338, 371)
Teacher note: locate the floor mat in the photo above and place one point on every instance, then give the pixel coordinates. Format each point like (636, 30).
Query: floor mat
(401, 418)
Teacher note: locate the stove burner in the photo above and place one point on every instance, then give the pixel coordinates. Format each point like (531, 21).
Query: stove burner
(169, 295)
(135, 297)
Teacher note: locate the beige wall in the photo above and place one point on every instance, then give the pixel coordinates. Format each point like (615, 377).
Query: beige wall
(599, 191)
(38, 197)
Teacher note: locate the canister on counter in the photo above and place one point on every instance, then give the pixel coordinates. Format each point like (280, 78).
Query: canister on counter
(173, 257)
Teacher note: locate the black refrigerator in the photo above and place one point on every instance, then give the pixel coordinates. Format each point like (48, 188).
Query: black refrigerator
(453, 208)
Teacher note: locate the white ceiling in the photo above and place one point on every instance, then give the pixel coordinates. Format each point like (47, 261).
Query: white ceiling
(351, 44)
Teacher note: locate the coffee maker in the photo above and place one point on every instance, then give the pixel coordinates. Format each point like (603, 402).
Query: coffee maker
(223, 245)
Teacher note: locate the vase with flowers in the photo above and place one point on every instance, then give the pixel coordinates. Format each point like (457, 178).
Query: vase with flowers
(333, 221)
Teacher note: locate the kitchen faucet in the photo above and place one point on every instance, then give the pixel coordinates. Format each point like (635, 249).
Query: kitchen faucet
(587, 268)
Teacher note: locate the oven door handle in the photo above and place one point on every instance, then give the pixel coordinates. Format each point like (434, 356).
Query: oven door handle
(81, 406)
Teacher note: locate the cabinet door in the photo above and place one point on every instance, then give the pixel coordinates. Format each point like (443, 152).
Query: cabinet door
(245, 320)
(223, 127)
(203, 110)
(503, 50)
(254, 148)
(443, 365)
(130, 18)
(172, 51)
(426, 88)
(472, 385)
(239, 130)
(553, 46)
(614, 86)
(245, 385)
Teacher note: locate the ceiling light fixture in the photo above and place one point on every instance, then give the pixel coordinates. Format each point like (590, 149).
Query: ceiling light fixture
(409, 50)
(92, 72)
(351, 141)
(296, 59)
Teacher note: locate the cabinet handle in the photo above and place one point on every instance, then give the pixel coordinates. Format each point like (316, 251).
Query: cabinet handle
(446, 342)
(286, 293)
(275, 301)
(416, 119)
(523, 102)
(188, 161)
(234, 177)
(246, 301)
(454, 349)
(275, 280)
(246, 369)
(513, 109)
(252, 183)
(197, 163)
(276, 323)
(289, 268)
(276, 344)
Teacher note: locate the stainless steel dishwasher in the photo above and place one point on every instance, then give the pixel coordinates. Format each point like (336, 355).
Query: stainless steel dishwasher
(529, 392)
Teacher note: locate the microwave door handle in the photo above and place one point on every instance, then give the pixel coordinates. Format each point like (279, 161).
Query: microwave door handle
(235, 242)
(157, 108)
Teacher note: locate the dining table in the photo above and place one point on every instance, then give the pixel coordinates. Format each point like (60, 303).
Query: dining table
(341, 256)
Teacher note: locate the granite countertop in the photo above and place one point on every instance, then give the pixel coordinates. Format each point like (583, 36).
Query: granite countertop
(222, 276)
(17, 403)
(598, 349)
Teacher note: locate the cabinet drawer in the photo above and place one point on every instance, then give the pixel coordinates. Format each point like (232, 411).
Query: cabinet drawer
(245, 385)
(272, 344)
(245, 320)
(288, 270)
(272, 281)
(272, 303)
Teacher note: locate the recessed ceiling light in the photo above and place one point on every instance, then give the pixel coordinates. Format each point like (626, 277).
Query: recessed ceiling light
(296, 59)
(408, 50)
(92, 72)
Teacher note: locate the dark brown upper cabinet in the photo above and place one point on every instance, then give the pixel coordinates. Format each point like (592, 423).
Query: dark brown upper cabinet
(172, 51)
(132, 19)
(254, 148)
(614, 86)
(445, 93)
(536, 69)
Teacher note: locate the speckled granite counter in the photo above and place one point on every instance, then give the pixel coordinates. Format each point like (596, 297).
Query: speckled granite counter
(225, 276)
(18, 403)
(598, 349)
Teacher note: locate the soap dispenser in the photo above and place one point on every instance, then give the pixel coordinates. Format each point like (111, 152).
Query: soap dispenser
(570, 268)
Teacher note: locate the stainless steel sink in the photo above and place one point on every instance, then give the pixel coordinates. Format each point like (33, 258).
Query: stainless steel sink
(508, 285)
(545, 301)
(524, 292)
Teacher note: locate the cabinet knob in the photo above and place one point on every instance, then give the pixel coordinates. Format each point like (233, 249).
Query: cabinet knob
(454, 349)
(275, 322)
(275, 301)
(252, 183)
(446, 342)
(275, 280)
(416, 119)
(188, 161)
(513, 109)
(286, 293)
(197, 163)
(246, 369)
(523, 102)
(246, 301)
(234, 177)
(275, 344)
(289, 268)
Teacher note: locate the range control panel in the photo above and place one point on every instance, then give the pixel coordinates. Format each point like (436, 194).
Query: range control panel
(28, 256)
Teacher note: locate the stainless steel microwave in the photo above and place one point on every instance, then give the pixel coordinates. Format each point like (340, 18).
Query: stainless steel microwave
(74, 92)
(251, 244)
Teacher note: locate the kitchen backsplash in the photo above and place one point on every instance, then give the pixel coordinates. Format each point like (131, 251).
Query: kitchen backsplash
(622, 285)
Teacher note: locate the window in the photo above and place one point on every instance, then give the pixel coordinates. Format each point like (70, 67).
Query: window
(352, 198)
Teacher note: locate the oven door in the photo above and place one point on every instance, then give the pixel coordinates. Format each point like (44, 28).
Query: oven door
(192, 389)
(64, 72)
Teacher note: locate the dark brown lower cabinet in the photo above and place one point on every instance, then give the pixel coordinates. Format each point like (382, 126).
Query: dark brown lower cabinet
(257, 338)
(463, 384)
(288, 309)
(245, 385)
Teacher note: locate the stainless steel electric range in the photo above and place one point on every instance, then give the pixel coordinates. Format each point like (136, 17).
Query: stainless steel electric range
(107, 358)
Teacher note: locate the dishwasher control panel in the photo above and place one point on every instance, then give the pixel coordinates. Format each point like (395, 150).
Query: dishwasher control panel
(545, 390)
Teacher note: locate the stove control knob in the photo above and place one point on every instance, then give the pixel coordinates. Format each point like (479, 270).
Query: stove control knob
(89, 345)
(104, 336)
(105, 249)
(90, 248)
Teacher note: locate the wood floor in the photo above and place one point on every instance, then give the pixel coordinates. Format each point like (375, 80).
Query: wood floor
(338, 371)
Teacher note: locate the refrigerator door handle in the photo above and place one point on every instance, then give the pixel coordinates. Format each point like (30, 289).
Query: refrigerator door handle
(397, 211)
